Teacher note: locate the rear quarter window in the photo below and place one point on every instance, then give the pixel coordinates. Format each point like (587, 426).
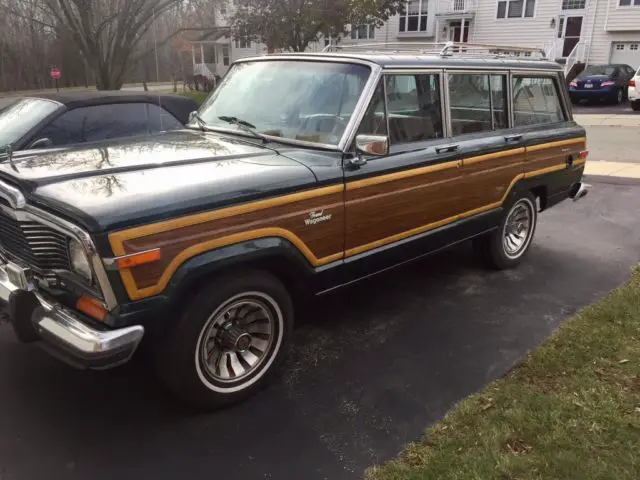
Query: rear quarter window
(536, 101)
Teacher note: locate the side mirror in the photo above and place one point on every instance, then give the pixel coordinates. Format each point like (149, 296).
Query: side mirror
(192, 116)
(41, 143)
(372, 144)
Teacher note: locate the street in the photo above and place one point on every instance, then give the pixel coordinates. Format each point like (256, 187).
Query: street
(372, 367)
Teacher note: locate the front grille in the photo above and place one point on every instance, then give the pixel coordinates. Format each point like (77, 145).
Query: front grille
(35, 244)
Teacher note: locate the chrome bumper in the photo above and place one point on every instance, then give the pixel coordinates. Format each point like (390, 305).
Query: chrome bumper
(65, 335)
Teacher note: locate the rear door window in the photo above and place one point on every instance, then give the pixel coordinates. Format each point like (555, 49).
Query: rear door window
(536, 101)
(477, 102)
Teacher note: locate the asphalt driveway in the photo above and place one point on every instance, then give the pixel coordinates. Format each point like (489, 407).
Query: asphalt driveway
(372, 367)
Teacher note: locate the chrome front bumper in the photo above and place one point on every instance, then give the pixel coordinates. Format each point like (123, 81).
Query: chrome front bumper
(63, 332)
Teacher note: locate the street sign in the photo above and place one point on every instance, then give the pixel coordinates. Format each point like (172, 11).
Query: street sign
(55, 73)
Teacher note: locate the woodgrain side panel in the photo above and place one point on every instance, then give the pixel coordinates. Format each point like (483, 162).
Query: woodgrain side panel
(486, 182)
(321, 243)
(383, 210)
(552, 154)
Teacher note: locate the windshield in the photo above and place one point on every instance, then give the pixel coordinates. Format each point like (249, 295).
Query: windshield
(598, 70)
(297, 100)
(17, 119)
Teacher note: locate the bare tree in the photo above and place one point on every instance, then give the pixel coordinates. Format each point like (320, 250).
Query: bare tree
(101, 42)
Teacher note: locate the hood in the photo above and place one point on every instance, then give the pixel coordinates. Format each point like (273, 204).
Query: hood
(132, 182)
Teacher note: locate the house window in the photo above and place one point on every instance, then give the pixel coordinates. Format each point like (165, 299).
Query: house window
(573, 4)
(225, 55)
(415, 17)
(363, 32)
(630, 3)
(633, 46)
(620, 46)
(243, 42)
(334, 40)
(209, 53)
(223, 9)
(516, 8)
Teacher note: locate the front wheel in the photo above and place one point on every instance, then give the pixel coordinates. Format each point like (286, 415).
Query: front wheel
(229, 342)
(505, 247)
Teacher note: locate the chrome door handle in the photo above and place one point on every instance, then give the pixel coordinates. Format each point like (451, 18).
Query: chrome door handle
(513, 138)
(447, 148)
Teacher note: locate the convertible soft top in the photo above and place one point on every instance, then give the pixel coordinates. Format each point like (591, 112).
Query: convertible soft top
(178, 106)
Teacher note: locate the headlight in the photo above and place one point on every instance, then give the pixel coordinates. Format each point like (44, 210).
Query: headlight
(79, 260)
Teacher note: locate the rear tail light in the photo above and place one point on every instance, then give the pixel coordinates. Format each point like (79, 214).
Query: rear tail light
(607, 83)
(583, 154)
(632, 83)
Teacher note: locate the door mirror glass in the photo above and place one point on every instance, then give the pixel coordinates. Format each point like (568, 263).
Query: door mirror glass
(192, 116)
(372, 144)
(41, 143)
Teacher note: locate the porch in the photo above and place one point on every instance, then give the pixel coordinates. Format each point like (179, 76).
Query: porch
(454, 20)
(211, 52)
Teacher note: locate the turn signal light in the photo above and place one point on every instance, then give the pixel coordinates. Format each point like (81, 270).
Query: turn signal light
(632, 83)
(136, 259)
(91, 307)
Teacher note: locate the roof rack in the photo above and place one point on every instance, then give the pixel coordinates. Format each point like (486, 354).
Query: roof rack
(448, 49)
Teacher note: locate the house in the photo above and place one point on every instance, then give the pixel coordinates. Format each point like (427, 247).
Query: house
(572, 32)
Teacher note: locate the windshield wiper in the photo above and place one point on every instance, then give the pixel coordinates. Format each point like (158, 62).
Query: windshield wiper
(245, 127)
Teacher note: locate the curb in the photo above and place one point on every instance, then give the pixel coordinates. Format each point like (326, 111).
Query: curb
(608, 180)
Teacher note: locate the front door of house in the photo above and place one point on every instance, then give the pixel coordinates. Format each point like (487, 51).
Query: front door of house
(459, 31)
(569, 29)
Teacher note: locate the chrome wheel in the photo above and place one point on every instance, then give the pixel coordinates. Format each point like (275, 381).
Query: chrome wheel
(239, 342)
(518, 228)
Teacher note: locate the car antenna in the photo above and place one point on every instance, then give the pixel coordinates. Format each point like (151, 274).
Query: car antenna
(155, 48)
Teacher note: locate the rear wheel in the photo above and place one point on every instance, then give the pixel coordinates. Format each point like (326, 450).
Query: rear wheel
(229, 342)
(505, 247)
(619, 97)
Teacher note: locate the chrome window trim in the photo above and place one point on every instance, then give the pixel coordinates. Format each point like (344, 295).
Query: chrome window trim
(360, 109)
(482, 71)
(556, 77)
(358, 112)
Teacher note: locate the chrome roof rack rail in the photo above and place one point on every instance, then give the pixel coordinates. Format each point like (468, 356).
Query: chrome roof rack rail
(448, 49)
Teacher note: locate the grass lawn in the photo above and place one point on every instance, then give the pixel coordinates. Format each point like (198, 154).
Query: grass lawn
(571, 410)
(197, 96)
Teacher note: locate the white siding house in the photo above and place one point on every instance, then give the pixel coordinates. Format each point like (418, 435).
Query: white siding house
(573, 32)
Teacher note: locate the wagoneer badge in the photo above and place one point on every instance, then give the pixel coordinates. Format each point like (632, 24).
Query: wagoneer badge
(317, 217)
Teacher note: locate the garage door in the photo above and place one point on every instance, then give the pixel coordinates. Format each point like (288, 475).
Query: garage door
(626, 52)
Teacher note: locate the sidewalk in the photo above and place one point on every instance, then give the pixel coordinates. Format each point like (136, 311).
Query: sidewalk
(612, 169)
(607, 120)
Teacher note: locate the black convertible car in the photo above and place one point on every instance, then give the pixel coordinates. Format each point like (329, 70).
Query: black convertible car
(47, 121)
